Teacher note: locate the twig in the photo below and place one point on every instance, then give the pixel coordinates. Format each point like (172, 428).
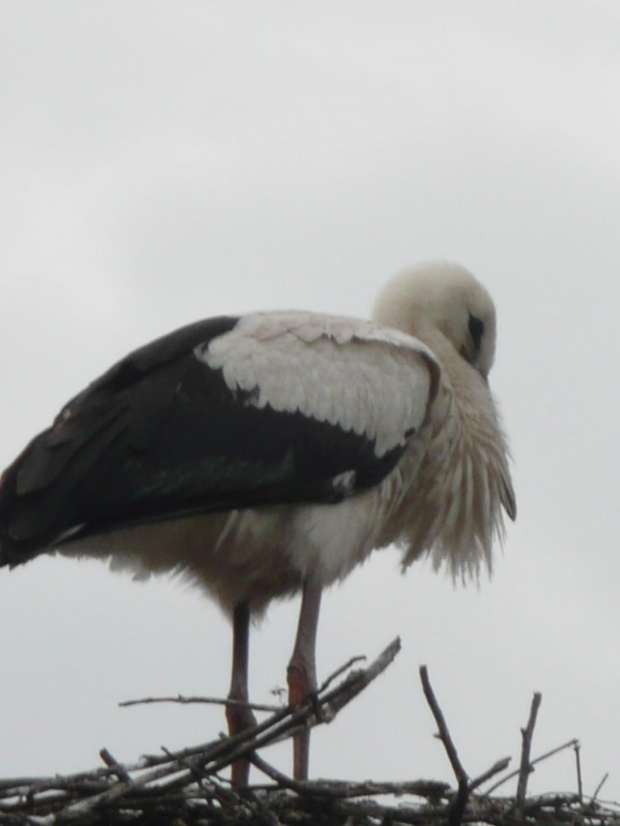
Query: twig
(496, 768)
(280, 778)
(326, 683)
(526, 767)
(119, 770)
(578, 767)
(600, 786)
(458, 806)
(220, 701)
(357, 680)
(542, 757)
(340, 789)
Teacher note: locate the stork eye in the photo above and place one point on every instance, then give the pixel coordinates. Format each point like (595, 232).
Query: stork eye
(476, 329)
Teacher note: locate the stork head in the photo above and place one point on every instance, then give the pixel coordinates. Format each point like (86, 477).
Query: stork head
(442, 300)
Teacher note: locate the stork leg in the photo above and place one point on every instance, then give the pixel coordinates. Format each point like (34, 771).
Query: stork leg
(301, 672)
(240, 718)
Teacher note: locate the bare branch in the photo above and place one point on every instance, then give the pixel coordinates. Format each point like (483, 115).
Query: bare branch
(542, 757)
(119, 770)
(340, 789)
(460, 801)
(525, 768)
(220, 701)
(326, 683)
(600, 786)
(496, 768)
(357, 680)
(578, 767)
(281, 779)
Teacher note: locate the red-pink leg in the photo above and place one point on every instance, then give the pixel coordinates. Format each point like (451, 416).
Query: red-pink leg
(302, 670)
(240, 718)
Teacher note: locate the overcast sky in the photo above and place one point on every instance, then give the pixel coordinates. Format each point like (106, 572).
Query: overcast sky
(163, 162)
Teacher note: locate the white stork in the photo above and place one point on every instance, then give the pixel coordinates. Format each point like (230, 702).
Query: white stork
(270, 453)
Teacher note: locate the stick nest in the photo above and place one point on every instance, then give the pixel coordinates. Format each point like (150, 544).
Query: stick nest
(186, 787)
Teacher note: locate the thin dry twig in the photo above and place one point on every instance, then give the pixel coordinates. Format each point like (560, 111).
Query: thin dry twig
(578, 768)
(539, 759)
(600, 786)
(359, 679)
(279, 777)
(340, 790)
(526, 767)
(182, 700)
(458, 807)
(444, 734)
(337, 673)
(119, 770)
(496, 768)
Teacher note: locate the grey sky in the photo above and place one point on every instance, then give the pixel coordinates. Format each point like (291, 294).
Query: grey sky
(165, 162)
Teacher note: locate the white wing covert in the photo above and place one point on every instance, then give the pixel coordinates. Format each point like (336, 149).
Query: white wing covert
(354, 375)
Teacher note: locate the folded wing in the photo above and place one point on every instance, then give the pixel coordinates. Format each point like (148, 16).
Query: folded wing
(224, 414)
